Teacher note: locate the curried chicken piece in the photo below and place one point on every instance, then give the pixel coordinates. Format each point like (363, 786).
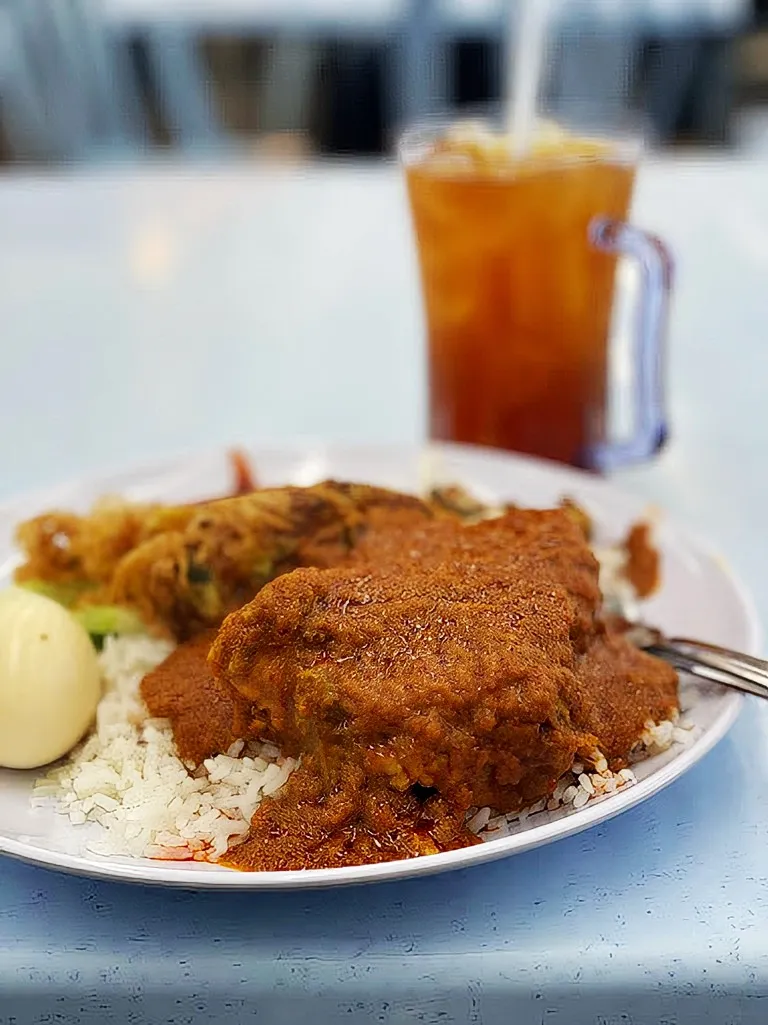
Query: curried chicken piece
(465, 659)
(349, 819)
(618, 690)
(183, 568)
(439, 656)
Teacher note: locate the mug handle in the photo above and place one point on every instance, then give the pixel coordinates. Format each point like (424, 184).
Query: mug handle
(651, 320)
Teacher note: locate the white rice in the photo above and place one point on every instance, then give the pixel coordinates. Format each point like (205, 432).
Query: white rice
(128, 778)
(619, 596)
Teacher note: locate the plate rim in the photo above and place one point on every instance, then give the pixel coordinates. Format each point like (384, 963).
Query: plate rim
(211, 877)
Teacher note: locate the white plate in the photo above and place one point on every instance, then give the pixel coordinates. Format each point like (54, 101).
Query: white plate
(699, 599)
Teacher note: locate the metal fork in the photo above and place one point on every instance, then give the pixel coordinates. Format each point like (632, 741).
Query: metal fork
(705, 661)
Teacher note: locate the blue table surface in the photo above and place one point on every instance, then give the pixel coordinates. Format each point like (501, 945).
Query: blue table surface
(243, 304)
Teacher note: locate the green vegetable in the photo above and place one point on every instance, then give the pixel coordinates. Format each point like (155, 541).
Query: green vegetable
(103, 620)
(99, 621)
(65, 594)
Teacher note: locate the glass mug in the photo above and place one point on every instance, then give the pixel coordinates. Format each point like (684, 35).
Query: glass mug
(518, 262)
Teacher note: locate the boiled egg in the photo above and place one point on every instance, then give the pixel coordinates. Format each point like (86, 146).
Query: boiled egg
(49, 680)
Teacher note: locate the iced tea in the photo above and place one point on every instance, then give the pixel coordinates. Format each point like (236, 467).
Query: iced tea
(518, 300)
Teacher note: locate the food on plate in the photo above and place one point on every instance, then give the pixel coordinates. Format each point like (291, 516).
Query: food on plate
(468, 662)
(642, 568)
(98, 621)
(50, 682)
(343, 674)
(183, 568)
(207, 718)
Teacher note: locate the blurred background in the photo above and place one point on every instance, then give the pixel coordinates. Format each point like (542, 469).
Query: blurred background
(154, 257)
(95, 80)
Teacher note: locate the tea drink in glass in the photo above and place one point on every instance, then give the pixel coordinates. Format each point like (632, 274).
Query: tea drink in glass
(518, 287)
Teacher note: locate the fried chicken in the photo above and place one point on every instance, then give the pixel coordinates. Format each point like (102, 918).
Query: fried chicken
(465, 661)
(80, 553)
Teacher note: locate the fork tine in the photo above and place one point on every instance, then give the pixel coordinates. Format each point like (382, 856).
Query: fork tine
(712, 667)
(735, 662)
(741, 657)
